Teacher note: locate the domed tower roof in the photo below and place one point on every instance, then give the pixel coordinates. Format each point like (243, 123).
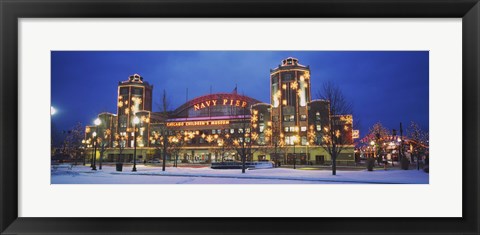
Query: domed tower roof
(136, 79)
(289, 63)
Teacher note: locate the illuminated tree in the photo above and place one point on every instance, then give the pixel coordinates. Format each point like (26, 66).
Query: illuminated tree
(419, 141)
(377, 128)
(333, 138)
(175, 144)
(377, 137)
(103, 143)
(274, 141)
(120, 143)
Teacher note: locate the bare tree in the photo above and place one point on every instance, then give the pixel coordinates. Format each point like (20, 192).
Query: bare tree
(104, 142)
(333, 138)
(419, 139)
(161, 136)
(173, 146)
(243, 142)
(72, 142)
(120, 143)
(275, 143)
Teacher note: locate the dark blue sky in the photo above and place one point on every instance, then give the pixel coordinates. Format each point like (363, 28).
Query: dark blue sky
(389, 87)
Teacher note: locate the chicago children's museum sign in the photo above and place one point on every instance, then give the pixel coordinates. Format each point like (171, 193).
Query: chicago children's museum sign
(199, 123)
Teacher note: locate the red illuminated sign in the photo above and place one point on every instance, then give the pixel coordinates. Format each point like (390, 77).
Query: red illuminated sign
(225, 102)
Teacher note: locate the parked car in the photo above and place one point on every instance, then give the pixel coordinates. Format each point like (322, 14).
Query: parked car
(154, 161)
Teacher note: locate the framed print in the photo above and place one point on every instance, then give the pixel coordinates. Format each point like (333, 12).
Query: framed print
(239, 117)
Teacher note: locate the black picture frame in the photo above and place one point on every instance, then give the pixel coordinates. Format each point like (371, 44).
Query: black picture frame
(11, 11)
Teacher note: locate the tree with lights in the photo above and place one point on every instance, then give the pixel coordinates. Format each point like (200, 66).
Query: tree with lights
(104, 142)
(120, 142)
(376, 137)
(419, 141)
(275, 142)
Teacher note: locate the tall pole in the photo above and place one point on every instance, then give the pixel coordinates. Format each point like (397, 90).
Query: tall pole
(401, 142)
(394, 134)
(294, 156)
(101, 156)
(94, 167)
(134, 147)
(91, 160)
(84, 152)
(306, 156)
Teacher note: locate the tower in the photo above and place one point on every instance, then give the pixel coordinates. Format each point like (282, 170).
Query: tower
(134, 95)
(290, 95)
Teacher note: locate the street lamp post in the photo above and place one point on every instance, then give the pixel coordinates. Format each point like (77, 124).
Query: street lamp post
(90, 145)
(97, 122)
(400, 153)
(307, 157)
(84, 143)
(394, 133)
(294, 154)
(136, 120)
(94, 134)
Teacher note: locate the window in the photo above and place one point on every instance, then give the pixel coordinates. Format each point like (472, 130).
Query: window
(289, 140)
(303, 128)
(260, 117)
(303, 117)
(304, 140)
(247, 139)
(232, 131)
(319, 128)
(247, 130)
(137, 91)
(240, 140)
(261, 140)
(286, 129)
(240, 130)
(214, 131)
(317, 116)
(292, 129)
(289, 118)
(124, 90)
(286, 77)
(261, 127)
(123, 121)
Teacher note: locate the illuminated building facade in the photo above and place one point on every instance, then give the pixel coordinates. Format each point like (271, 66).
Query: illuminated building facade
(211, 128)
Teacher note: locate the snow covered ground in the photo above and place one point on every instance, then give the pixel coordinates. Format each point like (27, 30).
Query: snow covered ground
(206, 175)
